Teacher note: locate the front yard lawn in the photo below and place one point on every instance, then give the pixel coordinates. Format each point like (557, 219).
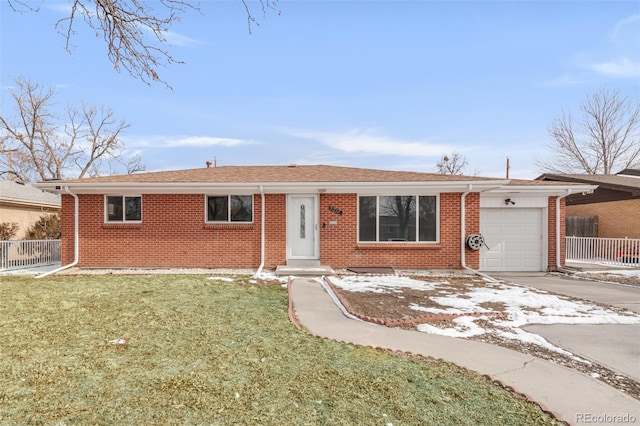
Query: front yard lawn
(175, 349)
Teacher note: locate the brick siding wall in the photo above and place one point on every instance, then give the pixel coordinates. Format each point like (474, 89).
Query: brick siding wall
(551, 233)
(339, 246)
(173, 234)
(616, 219)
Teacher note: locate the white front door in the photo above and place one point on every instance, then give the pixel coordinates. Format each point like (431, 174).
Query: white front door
(302, 226)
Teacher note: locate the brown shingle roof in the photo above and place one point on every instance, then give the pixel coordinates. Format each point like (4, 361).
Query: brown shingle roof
(611, 181)
(257, 174)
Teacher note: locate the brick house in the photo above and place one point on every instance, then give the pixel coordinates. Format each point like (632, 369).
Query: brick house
(265, 216)
(614, 206)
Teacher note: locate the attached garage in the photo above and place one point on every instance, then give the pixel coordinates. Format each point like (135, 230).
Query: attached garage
(515, 235)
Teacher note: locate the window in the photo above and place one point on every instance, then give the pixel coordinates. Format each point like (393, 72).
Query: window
(123, 209)
(397, 218)
(230, 208)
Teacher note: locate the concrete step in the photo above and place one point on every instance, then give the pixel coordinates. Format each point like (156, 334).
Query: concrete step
(304, 271)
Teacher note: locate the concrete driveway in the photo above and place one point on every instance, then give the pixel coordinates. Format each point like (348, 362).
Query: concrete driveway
(612, 345)
(615, 346)
(622, 296)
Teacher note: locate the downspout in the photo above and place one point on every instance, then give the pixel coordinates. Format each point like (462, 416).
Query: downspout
(463, 229)
(262, 222)
(76, 242)
(558, 241)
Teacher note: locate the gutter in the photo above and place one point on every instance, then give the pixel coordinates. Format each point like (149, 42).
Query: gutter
(76, 242)
(262, 231)
(558, 199)
(270, 187)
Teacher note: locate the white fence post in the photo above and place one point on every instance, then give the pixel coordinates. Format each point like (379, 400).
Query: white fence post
(606, 251)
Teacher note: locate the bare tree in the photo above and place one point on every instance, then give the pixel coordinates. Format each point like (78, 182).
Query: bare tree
(605, 138)
(398, 213)
(452, 165)
(135, 165)
(37, 146)
(135, 31)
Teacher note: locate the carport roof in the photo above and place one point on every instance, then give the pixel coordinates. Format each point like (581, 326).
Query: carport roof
(618, 182)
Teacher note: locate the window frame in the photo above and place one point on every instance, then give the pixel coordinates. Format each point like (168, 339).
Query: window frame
(124, 211)
(228, 221)
(417, 219)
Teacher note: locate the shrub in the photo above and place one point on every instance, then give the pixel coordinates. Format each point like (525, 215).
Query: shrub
(46, 228)
(8, 230)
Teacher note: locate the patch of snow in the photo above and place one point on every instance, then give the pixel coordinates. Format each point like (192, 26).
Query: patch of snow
(225, 279)
(526, 337)
(459, 305)
(522, 305)
(381, 283)
(271, 276)
(432, 310)
(623, 272)
(464, 327)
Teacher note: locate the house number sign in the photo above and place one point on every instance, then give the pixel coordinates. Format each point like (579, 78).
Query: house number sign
(335, 210)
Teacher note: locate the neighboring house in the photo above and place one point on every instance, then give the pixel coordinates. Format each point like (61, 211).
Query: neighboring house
(24, 204)
(254, 216)
(614, 205)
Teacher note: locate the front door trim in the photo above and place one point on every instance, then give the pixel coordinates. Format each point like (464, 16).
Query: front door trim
(303, 239)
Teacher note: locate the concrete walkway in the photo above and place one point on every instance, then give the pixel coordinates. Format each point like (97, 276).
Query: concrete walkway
(569, 394)
(31, 271)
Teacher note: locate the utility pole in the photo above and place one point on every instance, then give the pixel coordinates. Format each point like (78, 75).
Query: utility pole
(8, 152)
(508, 167)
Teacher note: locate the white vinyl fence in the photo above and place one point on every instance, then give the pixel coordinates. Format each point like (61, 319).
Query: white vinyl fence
(607, 251)
(19, 254)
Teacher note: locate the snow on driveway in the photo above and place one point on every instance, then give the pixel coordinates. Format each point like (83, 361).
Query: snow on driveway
(523, 306)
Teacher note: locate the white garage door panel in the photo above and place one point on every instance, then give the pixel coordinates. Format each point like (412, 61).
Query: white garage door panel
(492, 263)
(514, 239)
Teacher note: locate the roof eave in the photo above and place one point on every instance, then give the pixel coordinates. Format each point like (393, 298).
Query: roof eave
(551, 190)
(267, 187)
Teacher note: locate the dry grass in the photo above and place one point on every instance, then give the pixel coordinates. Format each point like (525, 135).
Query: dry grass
(208, 352)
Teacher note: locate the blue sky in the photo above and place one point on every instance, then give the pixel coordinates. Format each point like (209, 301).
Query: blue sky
(376, 84)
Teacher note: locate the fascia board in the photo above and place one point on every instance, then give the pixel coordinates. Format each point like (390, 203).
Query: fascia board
(268, 187)
(546, 189)
(26, 203)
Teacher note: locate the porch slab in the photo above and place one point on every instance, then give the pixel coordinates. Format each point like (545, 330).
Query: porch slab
(304, 271)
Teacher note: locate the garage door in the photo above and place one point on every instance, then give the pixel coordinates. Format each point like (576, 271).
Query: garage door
(514, 239)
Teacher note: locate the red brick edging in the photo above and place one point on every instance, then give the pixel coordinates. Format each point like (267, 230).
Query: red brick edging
(291, 311)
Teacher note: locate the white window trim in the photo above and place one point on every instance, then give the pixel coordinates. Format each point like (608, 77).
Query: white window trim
(377, 241)
(123, 221)
(229, 221)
